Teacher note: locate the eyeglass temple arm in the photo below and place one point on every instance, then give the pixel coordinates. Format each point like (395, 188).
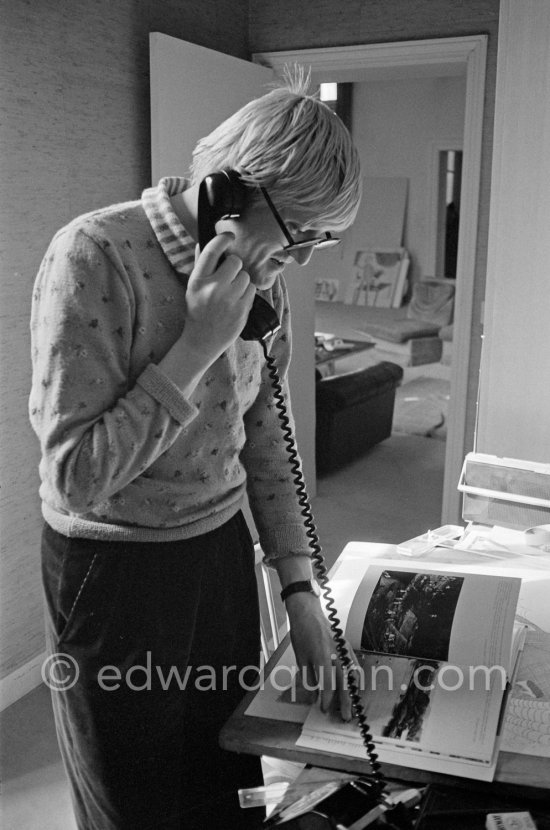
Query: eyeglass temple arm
(278, 218)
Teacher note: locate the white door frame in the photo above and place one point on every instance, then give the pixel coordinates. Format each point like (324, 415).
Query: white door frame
(423, 58)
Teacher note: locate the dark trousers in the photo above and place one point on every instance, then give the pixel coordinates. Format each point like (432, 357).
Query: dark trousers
(159, 635)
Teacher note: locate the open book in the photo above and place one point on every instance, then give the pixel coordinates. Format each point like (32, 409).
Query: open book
(436, 652)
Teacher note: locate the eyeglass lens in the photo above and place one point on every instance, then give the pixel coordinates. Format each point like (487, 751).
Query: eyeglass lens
(317, 242)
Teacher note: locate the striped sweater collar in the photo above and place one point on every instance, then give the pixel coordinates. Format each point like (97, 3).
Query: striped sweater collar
(173, 238)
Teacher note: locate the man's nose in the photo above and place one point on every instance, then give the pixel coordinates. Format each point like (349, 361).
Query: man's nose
(302, 255)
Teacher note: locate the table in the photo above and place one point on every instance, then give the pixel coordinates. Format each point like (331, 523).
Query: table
(263, 736)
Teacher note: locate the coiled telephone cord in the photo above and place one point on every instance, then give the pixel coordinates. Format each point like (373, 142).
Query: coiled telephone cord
(319, 563)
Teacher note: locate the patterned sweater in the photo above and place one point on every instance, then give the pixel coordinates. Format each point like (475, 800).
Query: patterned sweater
(125, 456)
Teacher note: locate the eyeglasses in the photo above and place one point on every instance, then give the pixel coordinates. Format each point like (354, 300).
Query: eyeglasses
(318, 242)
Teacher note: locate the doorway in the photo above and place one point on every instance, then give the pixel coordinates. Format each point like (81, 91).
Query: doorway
(439, 57)
(448, 211)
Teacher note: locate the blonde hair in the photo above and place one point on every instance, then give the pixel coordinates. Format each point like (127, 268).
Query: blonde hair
(296, 147)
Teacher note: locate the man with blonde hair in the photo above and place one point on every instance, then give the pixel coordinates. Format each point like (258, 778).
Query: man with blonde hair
(155, 419)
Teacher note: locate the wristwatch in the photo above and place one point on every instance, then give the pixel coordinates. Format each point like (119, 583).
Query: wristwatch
(304, 586)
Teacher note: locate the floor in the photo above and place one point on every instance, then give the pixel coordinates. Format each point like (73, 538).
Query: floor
(391, 494)
(422, 407)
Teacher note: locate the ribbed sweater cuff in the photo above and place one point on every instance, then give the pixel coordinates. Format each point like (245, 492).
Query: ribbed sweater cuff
(289, 540)
(157, 384)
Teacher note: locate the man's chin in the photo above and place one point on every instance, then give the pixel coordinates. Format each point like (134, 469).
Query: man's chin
(265, 281)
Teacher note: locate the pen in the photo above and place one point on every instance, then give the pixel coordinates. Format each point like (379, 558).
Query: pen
(407, 798)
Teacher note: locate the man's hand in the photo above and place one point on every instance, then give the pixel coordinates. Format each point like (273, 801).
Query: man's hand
(218, 299)
(315, 652)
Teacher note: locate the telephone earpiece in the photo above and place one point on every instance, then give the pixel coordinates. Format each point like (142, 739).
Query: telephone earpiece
(222, 195)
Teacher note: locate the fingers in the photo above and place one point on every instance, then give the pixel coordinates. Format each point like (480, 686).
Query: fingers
(337, 691)
(243, 287)
(317, 657)
(334, 694)
(213, 264)
(207, 261)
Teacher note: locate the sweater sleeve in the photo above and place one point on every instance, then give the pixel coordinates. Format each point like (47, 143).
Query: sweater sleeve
(99, 427)
(271, 487)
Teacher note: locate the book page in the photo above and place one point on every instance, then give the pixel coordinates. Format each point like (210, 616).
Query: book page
(423, 706)
(338, 744)
(433, 650)
(280, 695)
(461, 618)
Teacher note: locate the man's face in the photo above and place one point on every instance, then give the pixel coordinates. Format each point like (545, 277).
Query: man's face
(260, 242)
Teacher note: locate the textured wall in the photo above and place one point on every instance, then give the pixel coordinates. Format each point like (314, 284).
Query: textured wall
(75, 136)
(285, 24)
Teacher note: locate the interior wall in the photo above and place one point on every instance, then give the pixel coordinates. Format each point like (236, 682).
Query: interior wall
(514, 417)
(394, 126)
(75, 136)
(285, 25)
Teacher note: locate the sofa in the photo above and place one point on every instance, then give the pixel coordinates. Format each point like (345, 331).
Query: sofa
(416, 335)
(408, 335)
(354, 411)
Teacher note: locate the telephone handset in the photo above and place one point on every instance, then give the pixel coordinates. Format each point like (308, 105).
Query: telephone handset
(222, 195)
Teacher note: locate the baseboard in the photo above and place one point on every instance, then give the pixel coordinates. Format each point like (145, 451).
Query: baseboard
(21, 681)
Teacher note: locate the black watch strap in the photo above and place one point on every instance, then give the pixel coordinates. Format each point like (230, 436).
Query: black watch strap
(303, 586)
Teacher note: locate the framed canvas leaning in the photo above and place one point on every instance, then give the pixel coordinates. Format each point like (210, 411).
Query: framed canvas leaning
(379, 277)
